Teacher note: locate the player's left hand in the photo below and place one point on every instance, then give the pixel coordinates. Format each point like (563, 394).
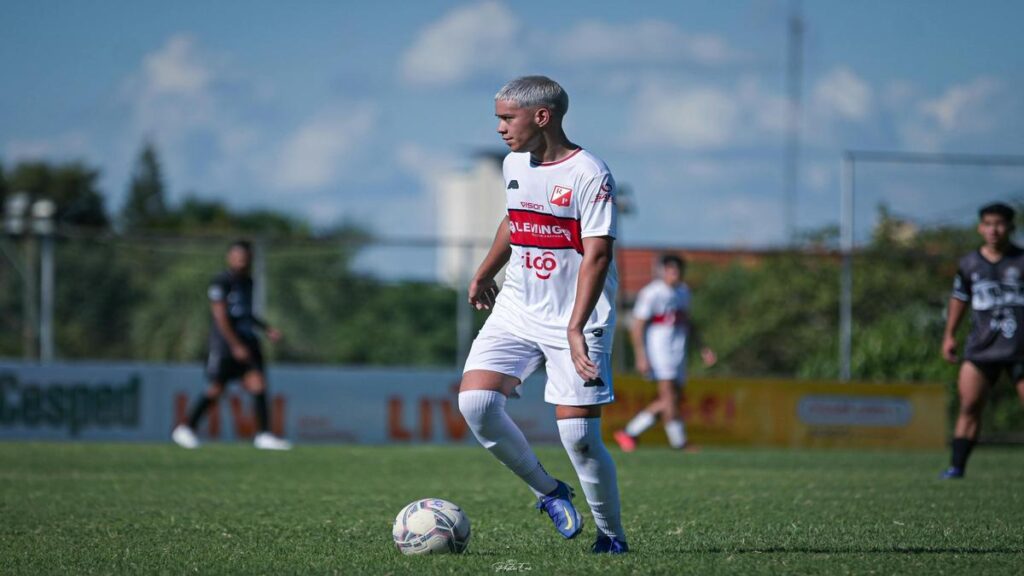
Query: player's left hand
(580, 353)
(708, 356)
(274, 334)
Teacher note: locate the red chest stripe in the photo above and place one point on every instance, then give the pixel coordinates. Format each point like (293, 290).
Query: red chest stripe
(670, 318)
(539, 230)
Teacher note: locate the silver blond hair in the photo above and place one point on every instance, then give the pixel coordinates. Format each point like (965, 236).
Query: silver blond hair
(530, 91)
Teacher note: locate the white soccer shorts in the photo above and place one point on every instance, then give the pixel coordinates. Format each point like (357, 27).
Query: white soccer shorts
(667, 358)
(496, 350)
(671, 369)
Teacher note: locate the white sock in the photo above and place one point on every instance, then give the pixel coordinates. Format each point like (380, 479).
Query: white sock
(484, 411)
(676, 432)
(596, 470)
(642, 421)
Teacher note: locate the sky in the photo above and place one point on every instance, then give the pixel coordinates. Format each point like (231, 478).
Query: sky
(350, 111)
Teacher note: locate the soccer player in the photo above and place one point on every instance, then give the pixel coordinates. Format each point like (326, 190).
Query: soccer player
(557, 307)
(989, 281)
(661, 325)
(234, 349)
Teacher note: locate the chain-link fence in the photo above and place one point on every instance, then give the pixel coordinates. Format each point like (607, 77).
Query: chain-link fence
(144, 298)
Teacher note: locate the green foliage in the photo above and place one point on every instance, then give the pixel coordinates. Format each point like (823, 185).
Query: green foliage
(87, 508)
(781, 317)
(146, 206)
(72, 186)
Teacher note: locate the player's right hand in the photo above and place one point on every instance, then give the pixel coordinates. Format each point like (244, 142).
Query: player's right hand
(949, 349)
(642, 365)
(482, 293)
(241, 353)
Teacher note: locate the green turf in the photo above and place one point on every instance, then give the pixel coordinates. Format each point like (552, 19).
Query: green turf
(131, 509)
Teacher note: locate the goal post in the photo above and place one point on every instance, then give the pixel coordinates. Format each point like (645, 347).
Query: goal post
(848, 189)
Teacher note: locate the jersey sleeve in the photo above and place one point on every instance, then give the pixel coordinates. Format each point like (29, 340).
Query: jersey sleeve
(962, 285)
(218, 290)
(598, 214)
(684, 299)
(642, 309)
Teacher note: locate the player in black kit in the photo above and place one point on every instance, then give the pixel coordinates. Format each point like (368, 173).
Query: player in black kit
(989, 280)
(234, 349)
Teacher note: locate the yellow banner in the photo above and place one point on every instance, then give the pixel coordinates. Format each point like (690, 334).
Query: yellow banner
(806, 414)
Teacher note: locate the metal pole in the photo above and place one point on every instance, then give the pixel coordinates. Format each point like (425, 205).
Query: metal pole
(463, 313)
(46, 299)
(846, 279)
(794, 74)
(259, 274)
(31, 320)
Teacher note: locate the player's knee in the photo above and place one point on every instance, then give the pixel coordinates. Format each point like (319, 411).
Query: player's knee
(971, 409)
(213, 391)
(578, 441)
(477, 406)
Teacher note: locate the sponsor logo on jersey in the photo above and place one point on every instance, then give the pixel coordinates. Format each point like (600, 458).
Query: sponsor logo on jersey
(603, 197)
(545, 231)
(532, 206)
(543, 265)
(512, 185)
(561, 196)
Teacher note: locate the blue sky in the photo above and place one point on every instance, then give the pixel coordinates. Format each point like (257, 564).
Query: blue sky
(339, 111)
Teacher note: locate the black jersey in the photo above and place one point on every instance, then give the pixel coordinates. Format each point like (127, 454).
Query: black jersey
(235, 291)
(996, 294)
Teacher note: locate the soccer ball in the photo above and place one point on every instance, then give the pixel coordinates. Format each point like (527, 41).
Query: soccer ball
(431, 526)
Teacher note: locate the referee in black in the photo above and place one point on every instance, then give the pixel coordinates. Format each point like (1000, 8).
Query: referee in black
(989, 281)
(234, 349)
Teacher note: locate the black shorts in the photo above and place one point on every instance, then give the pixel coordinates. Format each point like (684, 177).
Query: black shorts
(993, 370)
(222, 367)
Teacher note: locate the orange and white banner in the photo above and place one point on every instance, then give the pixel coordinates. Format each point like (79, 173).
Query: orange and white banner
(807, 414)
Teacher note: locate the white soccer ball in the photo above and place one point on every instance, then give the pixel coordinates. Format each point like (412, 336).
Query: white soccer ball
(431, 526)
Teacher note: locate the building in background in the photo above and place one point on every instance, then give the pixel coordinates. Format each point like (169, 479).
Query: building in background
(470, 204)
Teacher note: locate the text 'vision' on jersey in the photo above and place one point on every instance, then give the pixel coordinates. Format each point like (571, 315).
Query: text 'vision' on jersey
(552, 207)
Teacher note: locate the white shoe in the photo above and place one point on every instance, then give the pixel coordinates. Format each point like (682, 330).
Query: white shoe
(267, 441)
(184, 436)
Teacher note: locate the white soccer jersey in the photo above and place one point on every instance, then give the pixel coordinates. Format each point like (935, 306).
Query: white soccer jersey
(552, 207)
(665, 310)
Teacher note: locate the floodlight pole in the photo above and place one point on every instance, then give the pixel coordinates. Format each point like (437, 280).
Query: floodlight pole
(846, 278)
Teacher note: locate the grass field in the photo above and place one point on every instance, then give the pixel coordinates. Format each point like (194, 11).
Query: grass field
(130, 509)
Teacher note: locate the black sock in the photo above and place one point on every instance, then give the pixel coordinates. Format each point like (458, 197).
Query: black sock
(261, 410)
(202, 405)
(961, 451)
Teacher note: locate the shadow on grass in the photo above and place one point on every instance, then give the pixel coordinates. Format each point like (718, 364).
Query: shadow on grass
(875, 550)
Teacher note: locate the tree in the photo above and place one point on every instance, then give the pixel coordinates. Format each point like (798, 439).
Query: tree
(72, 187)
(145, 207)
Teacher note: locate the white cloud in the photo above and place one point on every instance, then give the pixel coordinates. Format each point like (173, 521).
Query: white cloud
(177, 68)
(72, 145)
(700, 117)
(644, 42)
(841, 92)
(961, 111)
(317, 152)
(476, 38)
(691, 118)
(954, 109)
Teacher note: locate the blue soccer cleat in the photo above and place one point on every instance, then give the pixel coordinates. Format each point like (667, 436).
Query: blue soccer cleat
(952, 473)
(609, 545)
(558, 505)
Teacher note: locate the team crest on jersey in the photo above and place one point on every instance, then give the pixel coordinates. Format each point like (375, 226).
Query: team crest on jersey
(561, 196)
